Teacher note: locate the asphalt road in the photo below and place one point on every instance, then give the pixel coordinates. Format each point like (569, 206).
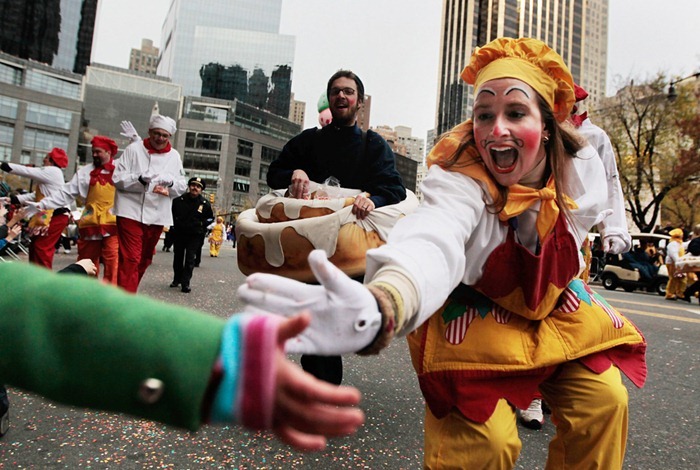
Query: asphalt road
(664, 429)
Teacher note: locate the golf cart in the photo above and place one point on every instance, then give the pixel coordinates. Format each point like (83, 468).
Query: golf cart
(636, 269)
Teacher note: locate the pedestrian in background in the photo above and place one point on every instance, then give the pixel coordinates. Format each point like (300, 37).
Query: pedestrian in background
(677, 281)
(216, 236)
(192, 214)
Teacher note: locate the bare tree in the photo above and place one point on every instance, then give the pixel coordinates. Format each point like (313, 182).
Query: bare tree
(651, 137)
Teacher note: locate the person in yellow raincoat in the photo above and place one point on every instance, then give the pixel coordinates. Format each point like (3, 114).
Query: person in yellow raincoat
(216, 237)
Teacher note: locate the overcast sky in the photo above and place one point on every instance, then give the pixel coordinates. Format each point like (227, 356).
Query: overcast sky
(393, 45)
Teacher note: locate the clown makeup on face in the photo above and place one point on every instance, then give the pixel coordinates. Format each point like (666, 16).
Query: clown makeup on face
(100, 156)
(509, 131)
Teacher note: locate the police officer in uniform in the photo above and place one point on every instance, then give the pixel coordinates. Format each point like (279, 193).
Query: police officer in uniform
(192, 214)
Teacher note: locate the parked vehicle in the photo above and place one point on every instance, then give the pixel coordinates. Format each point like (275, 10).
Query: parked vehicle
(641, 268)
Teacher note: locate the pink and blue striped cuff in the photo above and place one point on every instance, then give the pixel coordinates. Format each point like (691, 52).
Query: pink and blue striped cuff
(247, 389)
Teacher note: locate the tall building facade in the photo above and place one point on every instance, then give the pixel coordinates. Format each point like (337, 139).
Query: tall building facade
(112, 95)
(231, 50)
(40, 108)
(55, 32)
(297, 111)
(145, 59)
(576, 29)
(230, 145)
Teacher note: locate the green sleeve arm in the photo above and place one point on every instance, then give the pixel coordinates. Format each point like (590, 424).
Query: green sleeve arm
(83, 343)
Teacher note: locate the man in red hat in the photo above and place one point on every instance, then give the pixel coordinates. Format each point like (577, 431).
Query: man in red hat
(98, 224)
(45, 227)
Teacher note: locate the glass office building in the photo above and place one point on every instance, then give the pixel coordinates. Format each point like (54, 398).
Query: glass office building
(229, 49)
(55, 32)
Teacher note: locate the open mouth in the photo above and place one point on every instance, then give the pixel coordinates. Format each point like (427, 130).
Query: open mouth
(504, 158)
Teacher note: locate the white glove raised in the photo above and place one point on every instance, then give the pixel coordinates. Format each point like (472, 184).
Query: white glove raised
(614, 244)
(345, 317)
(129, 131)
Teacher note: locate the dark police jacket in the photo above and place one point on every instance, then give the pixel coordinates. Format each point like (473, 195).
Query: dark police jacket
(191, 216)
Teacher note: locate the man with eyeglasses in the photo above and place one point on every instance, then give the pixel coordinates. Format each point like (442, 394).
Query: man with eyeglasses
(148, 176)
(359, 160)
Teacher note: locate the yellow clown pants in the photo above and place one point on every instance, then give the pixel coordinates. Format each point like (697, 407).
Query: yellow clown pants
(675, 287)
(588, 409)
(214, 249)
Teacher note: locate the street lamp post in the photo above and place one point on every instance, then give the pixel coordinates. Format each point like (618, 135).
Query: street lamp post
(672, 94)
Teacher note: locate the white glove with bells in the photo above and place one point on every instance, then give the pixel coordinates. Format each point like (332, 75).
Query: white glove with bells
(345, 317)
(614, 244)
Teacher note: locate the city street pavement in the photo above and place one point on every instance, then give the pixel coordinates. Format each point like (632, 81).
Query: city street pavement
(664, 427)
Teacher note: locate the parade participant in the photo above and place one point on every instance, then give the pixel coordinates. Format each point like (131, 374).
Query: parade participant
(677, 281)
(693, 249)
(359, 160)
(341, 149)
(613, 229)
(192, 214)
(216, 237)
(126, 354)
(483, 275)
(97, 227)
(148, 176)
(45, 227)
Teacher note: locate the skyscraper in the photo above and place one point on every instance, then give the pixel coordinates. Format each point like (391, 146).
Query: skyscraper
(55, 32)
(229, 49)
(576, 29)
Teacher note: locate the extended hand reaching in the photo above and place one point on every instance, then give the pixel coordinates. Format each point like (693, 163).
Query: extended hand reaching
(308, 410)
(345, 315)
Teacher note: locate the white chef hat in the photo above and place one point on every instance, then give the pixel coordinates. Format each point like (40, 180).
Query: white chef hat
(162, 122)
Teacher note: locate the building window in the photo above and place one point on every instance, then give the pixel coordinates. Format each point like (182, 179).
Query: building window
(43, 141)
(200, 161)
(241, 185)
(52, 85)
(11, 75)
(49, 116)
(243, 167)
(199, 140)
(263, 172)
(245, 148)
(269, 155)
(8, 107)
(6, 134)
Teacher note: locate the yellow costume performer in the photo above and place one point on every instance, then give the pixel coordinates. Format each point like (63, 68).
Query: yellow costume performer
(483, 278)
(216, 237)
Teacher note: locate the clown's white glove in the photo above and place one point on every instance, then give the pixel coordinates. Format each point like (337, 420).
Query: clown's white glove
(344, 314)
(129, 131)
(614, 244)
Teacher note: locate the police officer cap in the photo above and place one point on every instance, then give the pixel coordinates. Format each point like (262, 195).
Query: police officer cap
(198, 181)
